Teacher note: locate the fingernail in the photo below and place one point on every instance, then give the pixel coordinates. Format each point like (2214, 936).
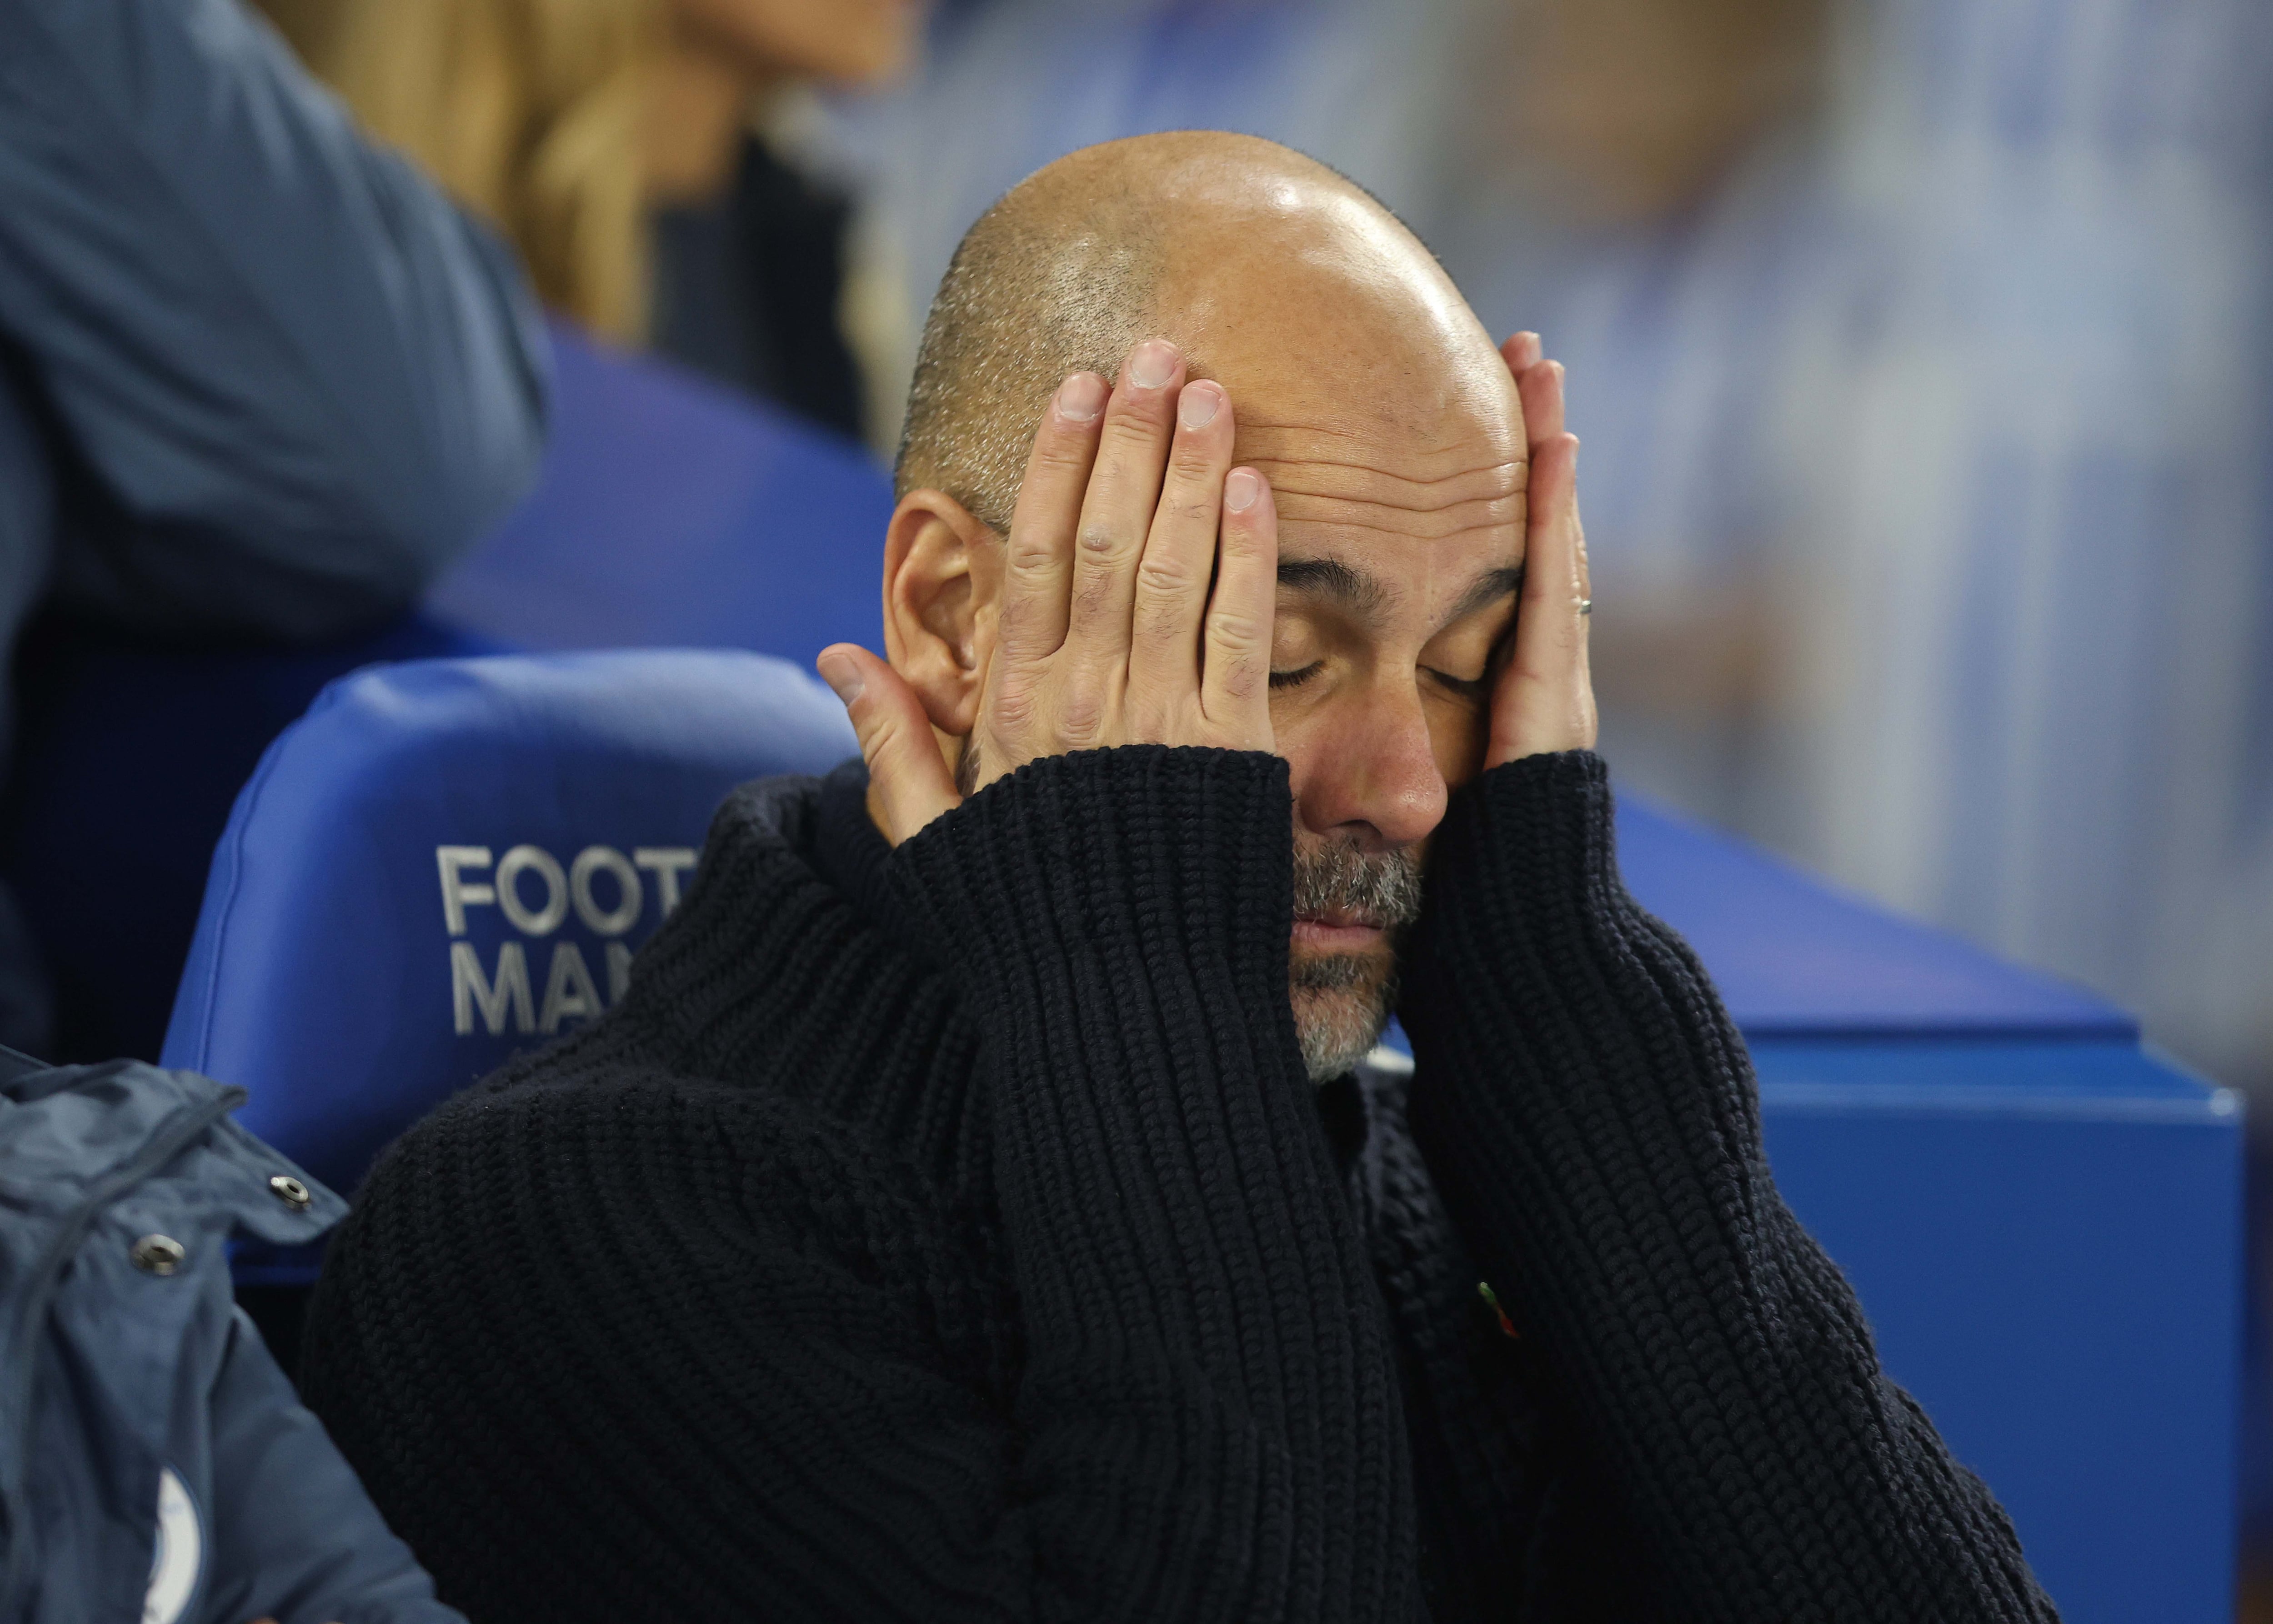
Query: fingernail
(1196, 408)
(1240, 487)
(1081, 397)
(1152, 363)
(839, 672)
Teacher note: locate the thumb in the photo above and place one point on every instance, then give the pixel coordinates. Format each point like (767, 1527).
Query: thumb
(908, 780)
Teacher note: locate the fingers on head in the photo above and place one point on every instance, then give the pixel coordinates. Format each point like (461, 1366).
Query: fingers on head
(1554, 571)
(1235, 683)
(1540, 387)
(1180, 550)
(1038, 559)
(1139, 423)
(1124, 489)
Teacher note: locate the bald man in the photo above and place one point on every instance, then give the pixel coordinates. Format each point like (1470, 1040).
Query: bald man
(981, 1206)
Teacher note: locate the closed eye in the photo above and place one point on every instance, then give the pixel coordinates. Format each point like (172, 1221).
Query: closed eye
(1467, 687)
(1295, 678)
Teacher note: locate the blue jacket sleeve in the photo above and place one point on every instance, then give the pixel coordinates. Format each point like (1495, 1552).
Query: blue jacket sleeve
(299, 377)
(295, 1538)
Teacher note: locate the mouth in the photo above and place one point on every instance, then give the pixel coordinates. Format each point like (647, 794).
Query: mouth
(1337, 931)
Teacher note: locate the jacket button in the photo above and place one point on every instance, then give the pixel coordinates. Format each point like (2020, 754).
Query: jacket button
(157, 1254)
(291, 1191)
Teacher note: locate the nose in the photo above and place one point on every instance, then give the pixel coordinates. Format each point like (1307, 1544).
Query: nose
(1367, 770)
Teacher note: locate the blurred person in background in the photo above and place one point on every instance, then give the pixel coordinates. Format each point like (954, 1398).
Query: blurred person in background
(617, 143)
(1925, 375)
(2036, 706)
(256, 378)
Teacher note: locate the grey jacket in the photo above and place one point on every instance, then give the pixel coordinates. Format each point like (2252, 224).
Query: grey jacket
(258, 376)
(154, 1464)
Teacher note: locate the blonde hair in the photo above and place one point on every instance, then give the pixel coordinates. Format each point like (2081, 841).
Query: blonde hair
(530, 111)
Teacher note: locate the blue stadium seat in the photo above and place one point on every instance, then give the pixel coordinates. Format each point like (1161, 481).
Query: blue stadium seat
(446, 861)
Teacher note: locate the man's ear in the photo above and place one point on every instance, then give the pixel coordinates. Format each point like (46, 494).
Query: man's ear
(943, 576)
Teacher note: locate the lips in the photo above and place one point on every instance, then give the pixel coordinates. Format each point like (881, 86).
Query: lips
(1345, 933)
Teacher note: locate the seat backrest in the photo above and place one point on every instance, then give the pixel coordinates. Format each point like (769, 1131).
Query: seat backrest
(672, 512)
(445, 861)
(1792, 958)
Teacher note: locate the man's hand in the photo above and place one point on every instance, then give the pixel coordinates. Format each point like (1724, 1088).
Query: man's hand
(1544, 700)
(1139, 583)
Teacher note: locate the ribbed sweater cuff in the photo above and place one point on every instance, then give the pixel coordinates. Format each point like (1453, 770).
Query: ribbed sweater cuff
(1198, 1307)
(1590, 1113)
(1575, 1058)
(1122, 918)
(1175, 854)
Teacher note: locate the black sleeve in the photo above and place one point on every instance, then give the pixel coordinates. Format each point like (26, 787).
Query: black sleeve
(650, 1348)
(1590, 1115)
(1208, 1399)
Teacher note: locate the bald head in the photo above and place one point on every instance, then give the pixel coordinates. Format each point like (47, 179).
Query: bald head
(1266, 267)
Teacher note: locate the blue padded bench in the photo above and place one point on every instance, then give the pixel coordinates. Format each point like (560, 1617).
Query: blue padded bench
(447, 861)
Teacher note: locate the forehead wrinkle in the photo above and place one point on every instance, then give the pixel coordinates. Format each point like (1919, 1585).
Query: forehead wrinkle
(1457, 456)
(1385, 488)
(1462, 424)
(1392, 519)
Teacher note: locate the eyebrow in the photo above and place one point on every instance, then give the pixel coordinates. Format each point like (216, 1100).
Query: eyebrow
(1489, 588)
(1352, 588)
(1365, 596)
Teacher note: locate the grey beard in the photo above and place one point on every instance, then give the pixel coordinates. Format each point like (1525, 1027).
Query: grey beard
(1342, 1017)
(1342, 1002)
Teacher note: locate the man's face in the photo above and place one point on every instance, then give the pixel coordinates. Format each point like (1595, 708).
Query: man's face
(1386, 422)
(1397, 462)
(1389, 610)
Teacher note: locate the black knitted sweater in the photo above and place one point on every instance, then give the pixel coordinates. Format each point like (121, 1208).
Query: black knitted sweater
(952, 1233)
